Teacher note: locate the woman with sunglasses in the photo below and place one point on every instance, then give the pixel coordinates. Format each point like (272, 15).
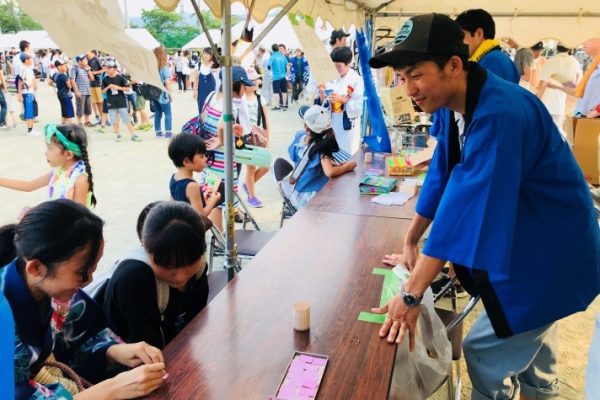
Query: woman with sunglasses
(71, 176)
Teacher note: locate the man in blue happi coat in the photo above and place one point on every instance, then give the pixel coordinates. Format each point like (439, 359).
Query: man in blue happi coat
(509, 207)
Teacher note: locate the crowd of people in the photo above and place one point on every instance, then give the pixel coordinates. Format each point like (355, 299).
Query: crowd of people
(113, 336)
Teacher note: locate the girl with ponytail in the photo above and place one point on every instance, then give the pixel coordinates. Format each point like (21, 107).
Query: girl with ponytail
(71, 177)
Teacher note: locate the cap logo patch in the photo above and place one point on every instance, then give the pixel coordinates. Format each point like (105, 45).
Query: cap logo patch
(404, 32)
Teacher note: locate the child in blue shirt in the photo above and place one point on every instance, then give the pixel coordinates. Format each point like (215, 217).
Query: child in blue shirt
(312, 152)
(188, 153)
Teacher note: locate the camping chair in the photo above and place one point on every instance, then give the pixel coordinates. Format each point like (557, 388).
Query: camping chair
(453, 320)
(281, 169)
(248, 242)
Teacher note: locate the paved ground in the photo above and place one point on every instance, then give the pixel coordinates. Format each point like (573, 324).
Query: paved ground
(129, 175)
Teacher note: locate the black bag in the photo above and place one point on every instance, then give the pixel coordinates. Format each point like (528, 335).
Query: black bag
(150, 92)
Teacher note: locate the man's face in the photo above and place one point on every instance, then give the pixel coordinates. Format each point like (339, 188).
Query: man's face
(473, 40)
(282, 49)
(83, 62)
(112, 72)
(429, 87)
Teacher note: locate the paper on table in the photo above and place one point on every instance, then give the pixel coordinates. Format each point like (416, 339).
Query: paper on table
(319, 361)
(393, 198)
(307, 392)
(310, 383)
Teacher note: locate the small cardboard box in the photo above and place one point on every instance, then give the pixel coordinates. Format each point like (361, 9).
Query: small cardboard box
(377, 185)
(583, 133)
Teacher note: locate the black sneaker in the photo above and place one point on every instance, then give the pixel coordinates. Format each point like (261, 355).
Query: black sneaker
(275, 109)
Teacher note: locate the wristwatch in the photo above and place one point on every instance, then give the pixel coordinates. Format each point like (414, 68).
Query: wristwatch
(410, 299)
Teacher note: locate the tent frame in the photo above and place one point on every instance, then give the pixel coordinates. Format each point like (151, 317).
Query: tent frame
(226, 61)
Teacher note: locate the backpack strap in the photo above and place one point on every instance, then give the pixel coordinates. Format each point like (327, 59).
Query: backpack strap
(261, 114)
(301, 166)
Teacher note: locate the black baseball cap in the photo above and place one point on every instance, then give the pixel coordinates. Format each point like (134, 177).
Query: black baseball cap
(422, 37)
(338, 34)
(538, 46)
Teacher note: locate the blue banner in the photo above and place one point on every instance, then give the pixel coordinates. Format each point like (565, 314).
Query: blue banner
(379, 140)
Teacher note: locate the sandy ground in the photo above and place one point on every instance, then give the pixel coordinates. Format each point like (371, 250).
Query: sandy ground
(129, 175)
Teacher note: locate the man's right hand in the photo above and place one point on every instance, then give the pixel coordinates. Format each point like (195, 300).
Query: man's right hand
(410, 254)
(77, 93)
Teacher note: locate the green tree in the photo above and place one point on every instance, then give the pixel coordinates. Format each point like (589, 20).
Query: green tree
(170, 28)
(13, 19)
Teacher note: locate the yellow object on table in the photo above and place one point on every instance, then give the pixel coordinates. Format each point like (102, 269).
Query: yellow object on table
(397, 165)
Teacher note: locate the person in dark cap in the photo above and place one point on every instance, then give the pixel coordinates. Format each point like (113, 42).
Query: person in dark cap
(507, 205)
(338, 39)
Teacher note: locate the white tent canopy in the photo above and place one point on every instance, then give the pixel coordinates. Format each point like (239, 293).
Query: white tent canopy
(282, 33)
(143, 37)
(570, 22)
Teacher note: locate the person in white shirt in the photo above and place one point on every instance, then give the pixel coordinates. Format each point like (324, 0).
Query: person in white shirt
(266, 91)
(560, 69)
(344, 97)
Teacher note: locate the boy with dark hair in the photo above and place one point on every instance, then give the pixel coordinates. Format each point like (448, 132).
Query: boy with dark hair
(188, 153)
(115, 86)
(96, 70)
(479, 29)
(503, 201)
(61, 82)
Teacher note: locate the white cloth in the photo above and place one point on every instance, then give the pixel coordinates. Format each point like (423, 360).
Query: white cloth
(561, 69)
(348, 140)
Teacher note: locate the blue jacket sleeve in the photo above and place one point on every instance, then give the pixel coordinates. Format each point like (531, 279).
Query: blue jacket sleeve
(7, 348)
(475, 221)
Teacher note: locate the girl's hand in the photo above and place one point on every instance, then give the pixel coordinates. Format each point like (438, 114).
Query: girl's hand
(350, 166)
(214, 199)
(138, 382)
(135, 354)
(238, 130)
(212, 143)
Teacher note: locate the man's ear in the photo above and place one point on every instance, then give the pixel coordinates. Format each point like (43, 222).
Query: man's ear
(36, 269)
(479, 34)
(454, 65)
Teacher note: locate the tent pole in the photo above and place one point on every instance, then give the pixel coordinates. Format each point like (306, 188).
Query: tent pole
(205, 28)
(270, 26)
(231, 261)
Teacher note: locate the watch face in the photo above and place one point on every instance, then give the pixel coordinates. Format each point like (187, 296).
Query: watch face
(410, 300)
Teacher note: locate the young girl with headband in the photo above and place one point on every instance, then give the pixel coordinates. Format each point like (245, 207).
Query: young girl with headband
(71, 177)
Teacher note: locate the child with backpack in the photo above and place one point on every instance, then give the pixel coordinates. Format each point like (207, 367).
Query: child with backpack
(159, 287)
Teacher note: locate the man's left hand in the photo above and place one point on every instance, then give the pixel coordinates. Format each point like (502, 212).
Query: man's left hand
(400, 320)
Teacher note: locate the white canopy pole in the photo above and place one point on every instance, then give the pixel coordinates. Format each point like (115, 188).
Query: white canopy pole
(231, 261)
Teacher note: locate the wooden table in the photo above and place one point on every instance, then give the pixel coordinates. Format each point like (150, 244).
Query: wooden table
(240, 345)
(341, 196)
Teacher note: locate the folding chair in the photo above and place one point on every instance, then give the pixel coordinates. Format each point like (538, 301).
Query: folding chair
(453, 320)
(248, 242)
(281, 169)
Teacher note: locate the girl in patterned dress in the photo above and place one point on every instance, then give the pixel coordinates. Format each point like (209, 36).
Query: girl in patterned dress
(212, 131)
(54, 251)
(71, 176)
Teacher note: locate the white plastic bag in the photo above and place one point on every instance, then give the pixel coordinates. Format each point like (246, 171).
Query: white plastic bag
(592, 388)
(418, 374)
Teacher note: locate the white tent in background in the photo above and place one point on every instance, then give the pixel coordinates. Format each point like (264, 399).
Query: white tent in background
(143, 37)
(8, 40)
(38, 39)
(201, 41)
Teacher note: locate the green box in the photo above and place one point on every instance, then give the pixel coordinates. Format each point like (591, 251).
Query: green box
(377, 185)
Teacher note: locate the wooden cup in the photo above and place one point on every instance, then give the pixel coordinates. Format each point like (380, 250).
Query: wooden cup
(301, 316)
